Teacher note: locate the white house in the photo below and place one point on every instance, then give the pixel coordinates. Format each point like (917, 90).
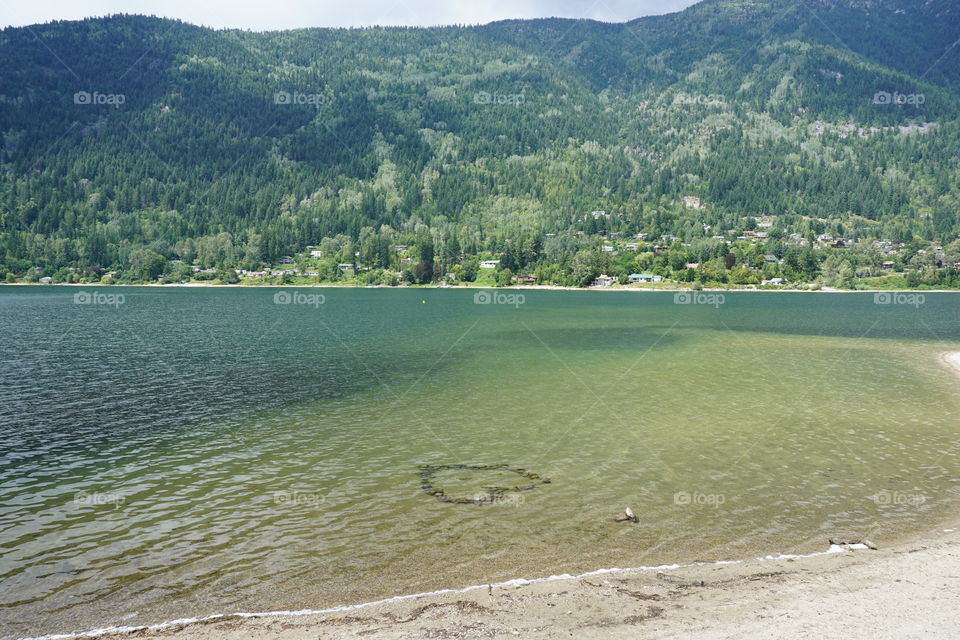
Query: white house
(489, 264)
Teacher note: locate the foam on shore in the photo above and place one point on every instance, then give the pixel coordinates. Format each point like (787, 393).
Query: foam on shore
(515, 582)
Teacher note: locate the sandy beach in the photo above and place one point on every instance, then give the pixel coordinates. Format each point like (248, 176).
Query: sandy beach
(908, 591)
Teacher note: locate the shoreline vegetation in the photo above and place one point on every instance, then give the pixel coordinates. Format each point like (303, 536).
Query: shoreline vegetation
(471, 286)
(845, 591)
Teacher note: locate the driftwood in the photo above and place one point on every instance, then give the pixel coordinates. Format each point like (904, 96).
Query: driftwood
(840, 542)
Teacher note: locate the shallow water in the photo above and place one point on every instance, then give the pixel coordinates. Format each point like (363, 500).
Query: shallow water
(193, 451)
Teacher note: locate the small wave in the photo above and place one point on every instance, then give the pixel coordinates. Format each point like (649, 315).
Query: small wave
(515, 582)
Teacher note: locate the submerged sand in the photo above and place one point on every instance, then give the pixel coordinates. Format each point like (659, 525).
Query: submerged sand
(851, 593)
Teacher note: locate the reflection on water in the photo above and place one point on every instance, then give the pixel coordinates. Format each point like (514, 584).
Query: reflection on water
(198, 451)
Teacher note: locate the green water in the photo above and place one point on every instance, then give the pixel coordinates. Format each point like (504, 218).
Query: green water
(193, 451)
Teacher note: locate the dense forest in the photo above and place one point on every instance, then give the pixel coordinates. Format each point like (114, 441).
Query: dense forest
(136, 148)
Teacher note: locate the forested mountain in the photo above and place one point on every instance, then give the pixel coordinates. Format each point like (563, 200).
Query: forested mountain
(131, 141)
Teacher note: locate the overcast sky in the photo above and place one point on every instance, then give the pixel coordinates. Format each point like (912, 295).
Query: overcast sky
(288, 14)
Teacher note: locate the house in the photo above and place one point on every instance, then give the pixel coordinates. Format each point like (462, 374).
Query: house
(598, 214)
(526, 279)
(406, 260)
(643, 277)
(772, 259)
(603, 280)
(345, 267)
(632, 246)
(46, 280)
(606, 248)
(286, 260)
(400, 248)
(489, 264)
(692, 265)
(775, 281)
(316, 253)
(889, 264)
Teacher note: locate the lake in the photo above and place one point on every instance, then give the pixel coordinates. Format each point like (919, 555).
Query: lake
(171, 452)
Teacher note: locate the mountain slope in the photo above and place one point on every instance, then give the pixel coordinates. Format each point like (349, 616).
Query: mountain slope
(130, 132)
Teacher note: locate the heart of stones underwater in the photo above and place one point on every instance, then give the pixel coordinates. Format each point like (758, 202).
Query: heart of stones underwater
(493, 493)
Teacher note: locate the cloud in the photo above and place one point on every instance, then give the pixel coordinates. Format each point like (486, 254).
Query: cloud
(291, 14)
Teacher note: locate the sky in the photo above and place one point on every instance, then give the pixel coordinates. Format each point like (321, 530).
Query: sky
(260, 15)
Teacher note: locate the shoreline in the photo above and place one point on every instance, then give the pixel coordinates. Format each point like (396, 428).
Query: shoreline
(831, 593)
(472, 286)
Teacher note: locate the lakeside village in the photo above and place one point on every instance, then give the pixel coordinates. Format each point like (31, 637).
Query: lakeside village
(759, 255)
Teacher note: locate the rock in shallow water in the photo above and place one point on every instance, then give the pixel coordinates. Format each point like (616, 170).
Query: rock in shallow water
(627, 515)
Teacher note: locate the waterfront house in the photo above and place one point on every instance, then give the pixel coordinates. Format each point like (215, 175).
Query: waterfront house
(643, 277)
(526, 279)
(603, 280)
